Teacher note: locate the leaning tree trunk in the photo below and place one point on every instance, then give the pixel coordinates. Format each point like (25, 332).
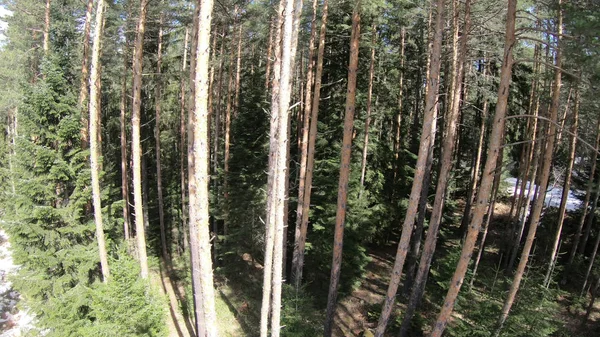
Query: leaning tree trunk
(566, 190)
(199, 180)
(588, 194)
(426, 145)
(95, 147)
(136, 151)
(340, 217)
(444, 175)
(488, 175)
(490, 215)
(545, 175)
(300, 242)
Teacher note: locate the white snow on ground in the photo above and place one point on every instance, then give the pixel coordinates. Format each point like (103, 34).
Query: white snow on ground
(13, 322)
(553, 194)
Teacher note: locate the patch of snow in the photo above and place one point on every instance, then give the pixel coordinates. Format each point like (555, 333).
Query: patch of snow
(553, 194)
(13, 322)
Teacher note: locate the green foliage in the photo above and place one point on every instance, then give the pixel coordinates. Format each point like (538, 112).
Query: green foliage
(298, 315)
(126, 305)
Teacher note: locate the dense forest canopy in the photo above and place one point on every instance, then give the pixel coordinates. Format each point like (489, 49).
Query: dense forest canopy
(300, 168)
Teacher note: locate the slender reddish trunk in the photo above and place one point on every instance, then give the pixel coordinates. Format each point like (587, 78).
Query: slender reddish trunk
(340, 217)
(300, 241)
(296, 268)
(369, 105)
(588, 194)
(426, 144)
(182, 147)
(545, 175)
(566, 188)
(124, 168)
(446, 165)
(487, 178)
(157, 109)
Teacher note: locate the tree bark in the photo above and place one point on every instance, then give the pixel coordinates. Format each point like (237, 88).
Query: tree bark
(273, 157)
(444, 175)
(545, 175)
(566, 189)
(182, 146)
(296, 267)
(300, 241)
(588, 194)
(136, 152)
(490, 215)
(83, 91)
(199, 179)
(340, 217)
(487, 178)
(590, 220)
(228, 113)
(369, 106)
(124, 166)
(95, 147)
(426, 144)
(157, 108)
(46, 33)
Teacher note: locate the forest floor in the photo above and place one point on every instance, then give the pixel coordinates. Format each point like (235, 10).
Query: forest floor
(355, 312)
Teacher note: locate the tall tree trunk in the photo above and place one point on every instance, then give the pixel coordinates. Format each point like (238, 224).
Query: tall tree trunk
(157, 108)
(216, 116)
(513, 250)
(444, 175)
(545, 175)
(588, 194)
(83, 90)
(483, 194)
(268, 62)
(46, 43)
(300, 238)
(296, 267)
(426, 145)
(590, 220)
(340, 216)
(285, 48)
(490, 215)
(95, 147)
(369, 105)
(566, 189)
(590, 306)
(229, 110)
(182, 147)
(271, 209)
(199, 180)
(477, 167)
(136, 151)
(398, 122)
(124, 166)
(590, 264)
